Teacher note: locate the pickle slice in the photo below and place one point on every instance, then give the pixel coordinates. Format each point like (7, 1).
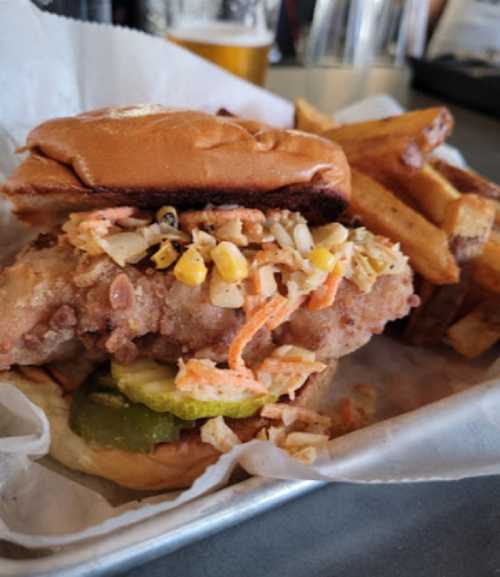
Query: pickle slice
(104, 416)
(152, 384)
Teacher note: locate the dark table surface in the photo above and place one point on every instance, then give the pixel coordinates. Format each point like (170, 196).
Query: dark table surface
(431, 529)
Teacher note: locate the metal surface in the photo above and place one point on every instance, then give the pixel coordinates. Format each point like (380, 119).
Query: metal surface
(162, 534)
(447, 529)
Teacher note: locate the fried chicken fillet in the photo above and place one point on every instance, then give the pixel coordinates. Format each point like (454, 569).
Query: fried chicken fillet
(56, 303)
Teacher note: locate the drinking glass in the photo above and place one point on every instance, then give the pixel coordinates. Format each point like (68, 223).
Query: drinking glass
(235, 34)
(361, 33)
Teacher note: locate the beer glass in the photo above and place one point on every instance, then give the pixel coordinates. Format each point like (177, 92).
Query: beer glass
(235, 34)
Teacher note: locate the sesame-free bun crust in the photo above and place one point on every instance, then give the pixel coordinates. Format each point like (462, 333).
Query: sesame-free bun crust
(148, 156)
(171, 465)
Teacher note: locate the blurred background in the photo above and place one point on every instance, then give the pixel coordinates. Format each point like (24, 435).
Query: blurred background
(450, 48)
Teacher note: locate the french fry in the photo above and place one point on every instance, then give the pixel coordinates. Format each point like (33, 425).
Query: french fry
(428, 190)
(497, 211)
(476, 332)
(465, 180)
(486, 271)
(428, 128)
(396, 154)
(469, 182)
(425, 244)
(309, 119)
(468, 223)
(428, 323)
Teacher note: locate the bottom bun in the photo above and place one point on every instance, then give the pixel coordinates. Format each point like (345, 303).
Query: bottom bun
(170, 466)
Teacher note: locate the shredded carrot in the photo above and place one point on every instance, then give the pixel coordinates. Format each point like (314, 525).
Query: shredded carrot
(251, 303)
(259, 317)
(285, 313)
(324, 296)
(198, 372)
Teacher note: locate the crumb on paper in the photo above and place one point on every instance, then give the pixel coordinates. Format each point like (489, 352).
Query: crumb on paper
(215, 432)
(356, 410)
(302, 431)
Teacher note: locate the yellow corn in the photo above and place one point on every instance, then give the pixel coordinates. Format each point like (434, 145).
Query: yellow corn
(322, 258)
(330, 235)
(165, 255)
(190, 268)
(230, 262)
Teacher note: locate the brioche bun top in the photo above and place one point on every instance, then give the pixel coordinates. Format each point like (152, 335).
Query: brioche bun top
(148, 156)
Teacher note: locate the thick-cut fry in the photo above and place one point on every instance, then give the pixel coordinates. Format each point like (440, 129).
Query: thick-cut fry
(469, 182)
(424, 243)
(428, 128)
(465, 180)
(478, 331)
(486, 271)
(468, 223)
(397, 154)
(497, 211)
(430, 192)
(309, 119)
(440, 305)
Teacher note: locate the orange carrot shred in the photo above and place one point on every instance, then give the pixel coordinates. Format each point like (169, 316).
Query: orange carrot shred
(256, 283)
(258, 318)
(251, 303)
(285, 313)
(197, 372)
(324, 296)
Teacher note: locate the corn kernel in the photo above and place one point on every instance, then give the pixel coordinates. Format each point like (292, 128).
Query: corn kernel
(230, 262)
(322, 258)
(165, 255)
(330, 235)
(190, 268)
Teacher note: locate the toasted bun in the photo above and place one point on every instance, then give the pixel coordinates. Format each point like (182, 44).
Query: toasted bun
(148, 156)
(170, 466)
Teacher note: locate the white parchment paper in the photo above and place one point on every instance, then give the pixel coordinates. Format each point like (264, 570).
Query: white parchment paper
(439, 416)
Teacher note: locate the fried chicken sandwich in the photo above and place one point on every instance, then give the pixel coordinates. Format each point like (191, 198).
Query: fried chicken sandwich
(191, 282)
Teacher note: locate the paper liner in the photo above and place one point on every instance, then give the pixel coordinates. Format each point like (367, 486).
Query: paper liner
(63, 67)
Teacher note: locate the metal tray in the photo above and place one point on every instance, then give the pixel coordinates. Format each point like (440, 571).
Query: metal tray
(162, 534)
